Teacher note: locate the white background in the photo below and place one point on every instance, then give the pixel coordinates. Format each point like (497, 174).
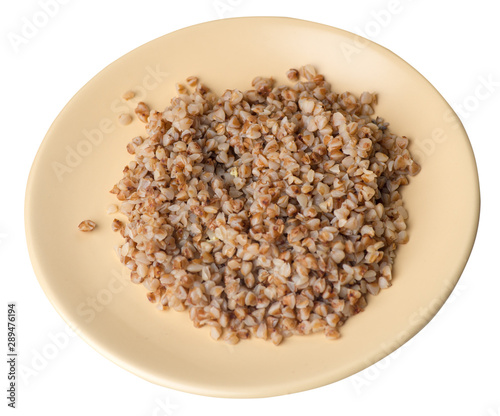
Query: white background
(450, 367)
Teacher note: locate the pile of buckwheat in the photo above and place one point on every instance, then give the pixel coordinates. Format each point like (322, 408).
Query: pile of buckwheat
(271, 212)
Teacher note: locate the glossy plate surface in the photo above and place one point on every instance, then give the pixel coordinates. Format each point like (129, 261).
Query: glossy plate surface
(83, 155)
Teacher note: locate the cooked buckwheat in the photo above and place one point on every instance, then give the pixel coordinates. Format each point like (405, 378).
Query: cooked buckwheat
(269, 212)
(87, 225)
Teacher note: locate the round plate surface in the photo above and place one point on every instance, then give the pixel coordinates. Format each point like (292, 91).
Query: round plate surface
(83, 155)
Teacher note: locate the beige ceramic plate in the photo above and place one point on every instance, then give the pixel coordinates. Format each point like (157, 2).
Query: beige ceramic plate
(84, 153)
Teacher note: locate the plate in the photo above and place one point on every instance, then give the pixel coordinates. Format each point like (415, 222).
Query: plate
(83, 154)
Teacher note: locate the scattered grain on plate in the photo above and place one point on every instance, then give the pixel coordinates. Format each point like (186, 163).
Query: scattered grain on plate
(128, 95)
(269, 212)
(87, 225)
(124, 119)
(142, 111)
